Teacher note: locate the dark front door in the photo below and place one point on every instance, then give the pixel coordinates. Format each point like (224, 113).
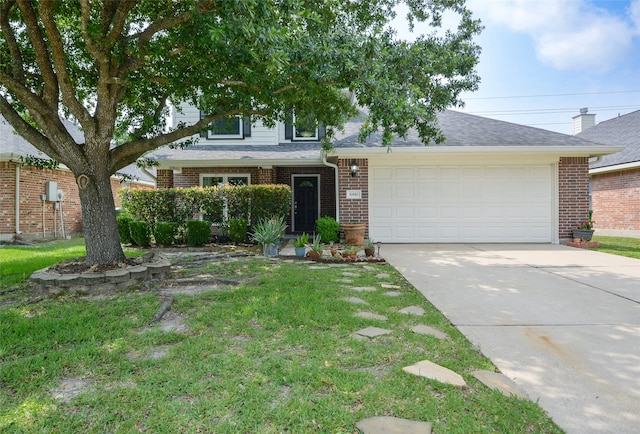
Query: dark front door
(305, 203)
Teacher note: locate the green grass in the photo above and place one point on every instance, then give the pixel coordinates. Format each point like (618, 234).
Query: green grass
(274, 354)
(17, 263)
(619, 246)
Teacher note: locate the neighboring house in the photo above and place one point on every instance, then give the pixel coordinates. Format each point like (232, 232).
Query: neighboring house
(490, 181)
(615, 179)
(30, 205)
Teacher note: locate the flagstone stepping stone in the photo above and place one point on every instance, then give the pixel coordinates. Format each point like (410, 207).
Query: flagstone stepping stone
(390, 286)
(433, 371)
(383, 276)
(350, 274)
(393, 294)
(372, 332)
(355, 300)
(370, 315)
(501, 383)
(426, 330)
(318, 267)
(413, 310)
(344, 280)
(364, 288)
(337, 265)
(392, 425)
(368, 267)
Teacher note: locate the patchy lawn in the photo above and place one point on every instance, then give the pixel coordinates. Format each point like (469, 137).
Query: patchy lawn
(249, 345)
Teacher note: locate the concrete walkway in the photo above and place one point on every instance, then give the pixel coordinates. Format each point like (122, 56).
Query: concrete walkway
(563, 323)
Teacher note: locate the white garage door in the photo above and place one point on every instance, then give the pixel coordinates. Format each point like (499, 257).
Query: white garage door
(461, 204)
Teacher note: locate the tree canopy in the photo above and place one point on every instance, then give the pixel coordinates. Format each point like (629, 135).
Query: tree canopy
(115, 66)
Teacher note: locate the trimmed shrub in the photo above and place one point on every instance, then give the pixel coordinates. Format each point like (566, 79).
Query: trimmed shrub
(328, 228)
(165, 233)
(198, 232)
(237, 230)
(140, 233)
(123, 221)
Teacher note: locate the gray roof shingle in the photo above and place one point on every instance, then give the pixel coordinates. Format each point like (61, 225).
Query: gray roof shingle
(462, 129)
(620, 131)
(13, 145)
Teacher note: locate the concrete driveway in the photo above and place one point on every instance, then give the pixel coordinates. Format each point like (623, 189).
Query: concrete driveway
(564, 323)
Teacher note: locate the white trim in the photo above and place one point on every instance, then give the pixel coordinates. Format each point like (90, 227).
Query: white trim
(617, 167)
(555, 206)
(293, 196)
(225, 177)
(562, 151)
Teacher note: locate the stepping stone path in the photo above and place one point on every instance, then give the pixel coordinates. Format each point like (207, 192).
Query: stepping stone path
(355, 300)
(393, 294)
(370, 315)
(364, 288)
(436, 372)
(350, 274)
(383, 276)
(318, 267)
(503, 384)
(372, 332)
(413, 310)
(390, 286)
(426, 330)
(392, 425)
(344, 280)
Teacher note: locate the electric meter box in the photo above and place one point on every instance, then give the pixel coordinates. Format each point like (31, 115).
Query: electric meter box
(51, 190)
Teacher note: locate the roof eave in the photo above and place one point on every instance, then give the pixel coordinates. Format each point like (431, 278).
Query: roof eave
(564, 151)
(615, 168)
(240, 162)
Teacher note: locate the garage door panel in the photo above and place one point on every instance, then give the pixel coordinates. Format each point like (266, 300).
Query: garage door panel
(453, 204)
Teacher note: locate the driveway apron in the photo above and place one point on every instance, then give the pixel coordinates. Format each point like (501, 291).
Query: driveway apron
(563, 323)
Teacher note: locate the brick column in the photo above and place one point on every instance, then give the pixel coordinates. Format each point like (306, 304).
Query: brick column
(165, 178)
(354, 210)
(573, 179)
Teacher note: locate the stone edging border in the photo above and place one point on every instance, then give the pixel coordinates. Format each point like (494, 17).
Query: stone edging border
(94, 283)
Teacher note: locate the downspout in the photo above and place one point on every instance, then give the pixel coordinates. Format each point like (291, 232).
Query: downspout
(335, 171)
(17, 199)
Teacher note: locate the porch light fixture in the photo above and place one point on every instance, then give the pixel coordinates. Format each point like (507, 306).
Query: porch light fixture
(354, 167)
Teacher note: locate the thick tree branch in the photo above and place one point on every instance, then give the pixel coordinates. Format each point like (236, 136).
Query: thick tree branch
(58, 59)
(50, 91)
(117, 22)
(17, 65)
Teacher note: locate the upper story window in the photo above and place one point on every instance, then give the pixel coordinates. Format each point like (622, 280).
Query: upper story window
(234, 127)
(304, 129)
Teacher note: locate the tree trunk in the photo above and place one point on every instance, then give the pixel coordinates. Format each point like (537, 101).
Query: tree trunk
(101, 235)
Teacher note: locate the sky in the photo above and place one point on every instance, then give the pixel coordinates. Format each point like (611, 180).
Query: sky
(544, 60)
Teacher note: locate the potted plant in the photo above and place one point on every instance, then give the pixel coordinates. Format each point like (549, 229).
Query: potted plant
(369, 250)
(316, 247)
(350, 252)
(585, 230)
(354, 233)
(300, 244)
(266, 232)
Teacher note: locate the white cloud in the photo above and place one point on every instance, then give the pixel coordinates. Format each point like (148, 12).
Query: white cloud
(567, 34)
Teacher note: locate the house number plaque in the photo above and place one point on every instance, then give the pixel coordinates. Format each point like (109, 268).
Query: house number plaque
(354, 194)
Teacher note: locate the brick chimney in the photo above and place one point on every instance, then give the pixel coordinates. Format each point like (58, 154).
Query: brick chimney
(583, 121)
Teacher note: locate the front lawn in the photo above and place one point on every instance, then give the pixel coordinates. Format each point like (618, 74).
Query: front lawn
(273, 352)
(17, 263)
(619, 246)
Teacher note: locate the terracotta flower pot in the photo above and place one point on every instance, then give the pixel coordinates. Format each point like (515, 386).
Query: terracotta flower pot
(354, 233)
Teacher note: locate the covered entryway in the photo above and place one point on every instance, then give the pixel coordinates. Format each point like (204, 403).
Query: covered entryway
(306, 202)
(463, 203)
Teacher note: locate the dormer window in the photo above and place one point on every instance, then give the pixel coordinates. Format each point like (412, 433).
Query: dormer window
(304, 130)
(233, 127)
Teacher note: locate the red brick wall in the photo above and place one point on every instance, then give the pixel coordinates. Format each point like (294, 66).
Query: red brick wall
(573, 180)
(32, 187)
(616, 200)
(164, 178)
(354, 210)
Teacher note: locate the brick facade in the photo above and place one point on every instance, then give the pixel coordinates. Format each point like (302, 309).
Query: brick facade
(354, 210)
(573, 194)
(37, 216)
(616, 200)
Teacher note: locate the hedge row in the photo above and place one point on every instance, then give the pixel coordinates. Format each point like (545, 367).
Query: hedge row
(250, 202)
